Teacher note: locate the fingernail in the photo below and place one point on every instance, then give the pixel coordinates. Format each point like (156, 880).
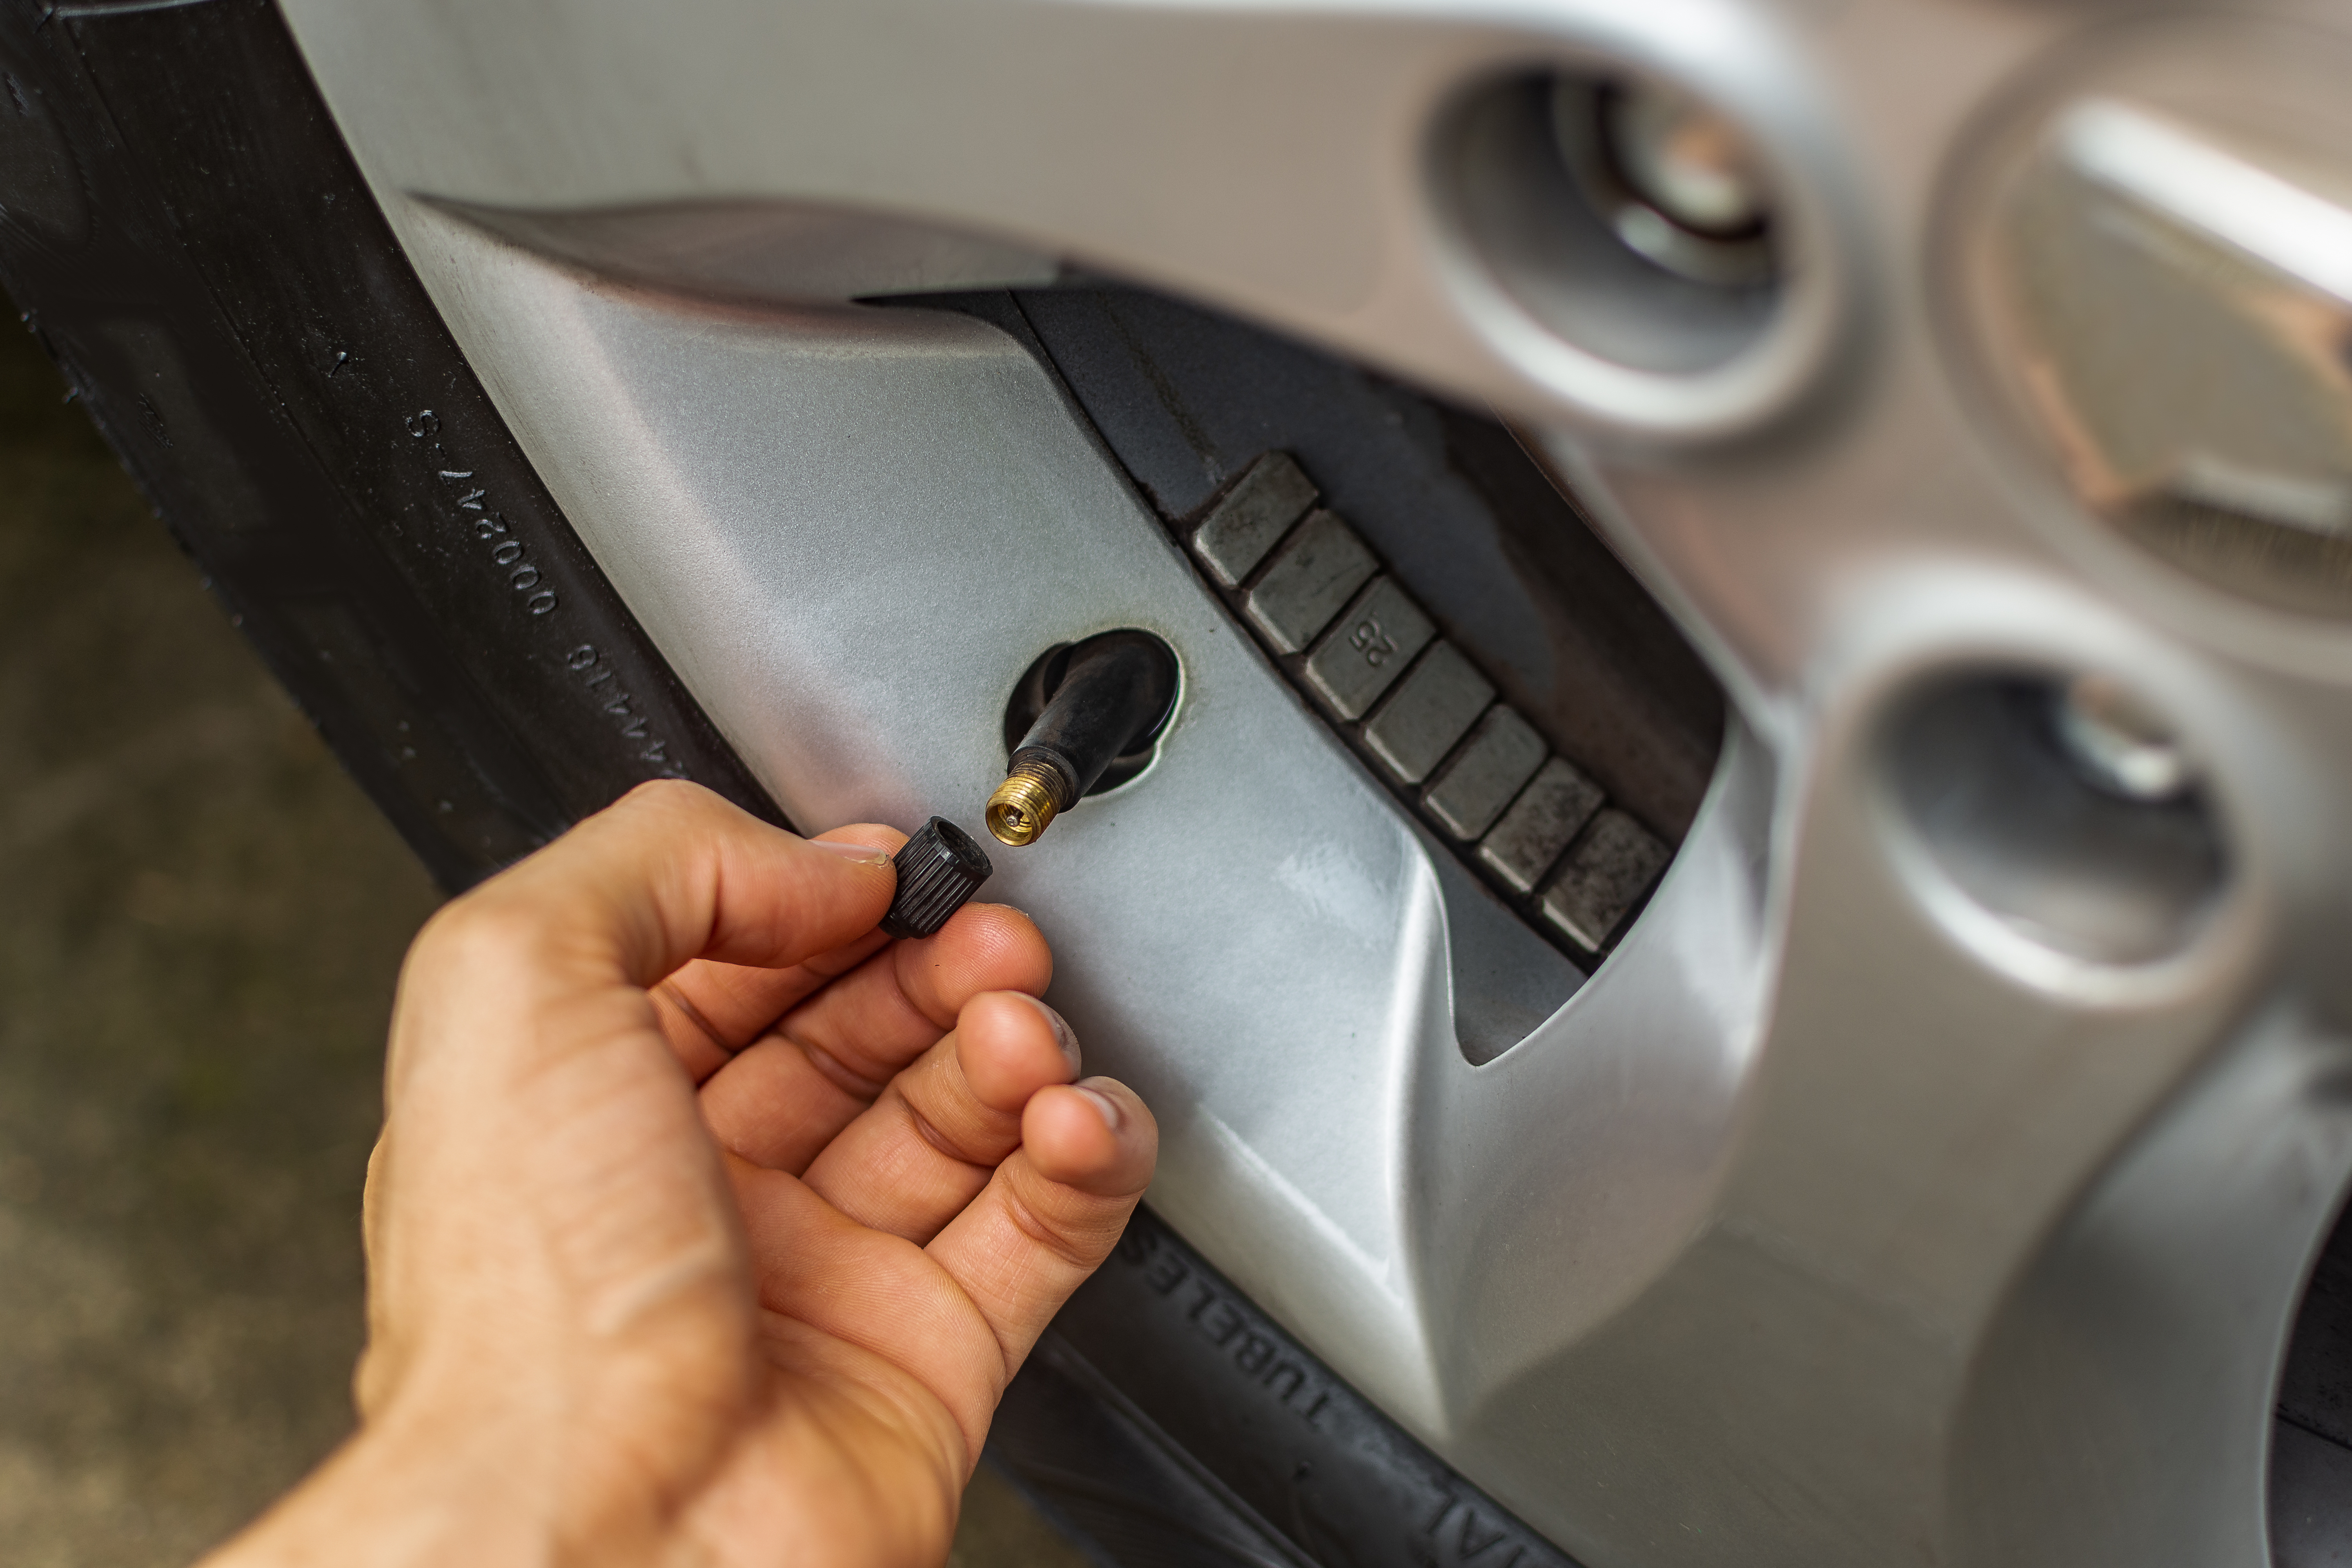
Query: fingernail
(865, 852)
(1064, 1036)
(1113, 1117)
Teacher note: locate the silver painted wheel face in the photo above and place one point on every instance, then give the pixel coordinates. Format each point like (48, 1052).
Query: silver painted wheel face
(2156, 278)
(1957, 1115)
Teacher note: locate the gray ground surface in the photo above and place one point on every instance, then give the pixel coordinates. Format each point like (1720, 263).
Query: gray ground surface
(200, 920)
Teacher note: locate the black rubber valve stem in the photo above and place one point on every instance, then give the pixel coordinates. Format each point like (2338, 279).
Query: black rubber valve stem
(1115, 693)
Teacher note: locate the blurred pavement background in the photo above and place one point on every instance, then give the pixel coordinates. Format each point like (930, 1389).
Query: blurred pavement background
(200, 922)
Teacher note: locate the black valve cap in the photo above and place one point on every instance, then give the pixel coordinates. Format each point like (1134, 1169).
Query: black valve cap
(938, 870)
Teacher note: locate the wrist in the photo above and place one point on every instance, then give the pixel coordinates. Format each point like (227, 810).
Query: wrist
(401, 1495)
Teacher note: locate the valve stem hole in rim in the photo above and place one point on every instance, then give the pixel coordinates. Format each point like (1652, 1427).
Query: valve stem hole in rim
(1036, 688)
(2071, 817)
(1628, 217)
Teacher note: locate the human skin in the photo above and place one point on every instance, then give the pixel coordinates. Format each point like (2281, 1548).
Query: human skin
(707, 1225)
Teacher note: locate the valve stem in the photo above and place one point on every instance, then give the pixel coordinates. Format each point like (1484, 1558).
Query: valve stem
(1025, 802)
(1114, 693)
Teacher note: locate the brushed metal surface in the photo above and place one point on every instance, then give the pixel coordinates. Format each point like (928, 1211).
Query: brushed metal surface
(1424, 717)
(1312, 576)
(1501, 755)
(1604, 871)
(1368, 648)
(1250, 518)
(1557, 802)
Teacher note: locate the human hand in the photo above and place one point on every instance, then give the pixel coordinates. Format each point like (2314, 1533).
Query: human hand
(707, 1225)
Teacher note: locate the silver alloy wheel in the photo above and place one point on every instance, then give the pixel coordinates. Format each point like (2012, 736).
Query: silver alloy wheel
(1923, 1175)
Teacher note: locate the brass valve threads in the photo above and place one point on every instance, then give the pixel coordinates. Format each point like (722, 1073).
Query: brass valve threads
(1025, 802)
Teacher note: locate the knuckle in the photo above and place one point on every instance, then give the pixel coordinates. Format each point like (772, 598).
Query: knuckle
(853, 1076)
(669, 795)
(1060, 1220)
(485, 925)
(962, 1133)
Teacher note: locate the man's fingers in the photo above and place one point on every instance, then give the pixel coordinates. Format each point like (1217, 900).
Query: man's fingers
(1053, 1210)
(887, 1012)
(785, 1097)
(669, 873)
(912, 1162)
(709, 1010)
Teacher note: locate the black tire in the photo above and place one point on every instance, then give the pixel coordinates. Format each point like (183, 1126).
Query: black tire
(186, 233)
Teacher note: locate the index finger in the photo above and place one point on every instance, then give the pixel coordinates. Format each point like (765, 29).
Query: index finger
(709, 1010)
(670, 873)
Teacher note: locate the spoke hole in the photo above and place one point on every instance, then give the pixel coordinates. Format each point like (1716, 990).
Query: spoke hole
(1626, 216)
(2019, 788)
